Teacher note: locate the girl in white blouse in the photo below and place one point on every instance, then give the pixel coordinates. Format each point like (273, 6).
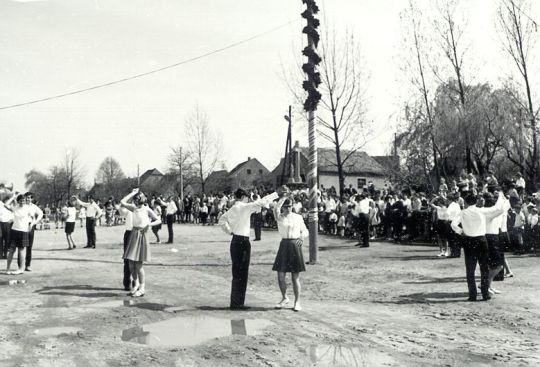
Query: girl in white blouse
(137, 250)
(289, 258)
(22, 223)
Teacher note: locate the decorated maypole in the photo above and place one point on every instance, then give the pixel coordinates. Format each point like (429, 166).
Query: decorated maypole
(310, 105)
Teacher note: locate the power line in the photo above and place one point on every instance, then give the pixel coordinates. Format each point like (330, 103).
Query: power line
(154, 71)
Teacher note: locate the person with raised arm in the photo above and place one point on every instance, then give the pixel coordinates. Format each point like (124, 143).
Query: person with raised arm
(138, 250)
(37, 215)
(289, 258)
(93, 212)
(473, 229)
(235, 222)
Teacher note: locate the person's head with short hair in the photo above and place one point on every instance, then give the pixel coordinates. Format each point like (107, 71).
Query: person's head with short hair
(90, 198)
(470, 199)
(29, 197)
(20, 199)
(241, 194)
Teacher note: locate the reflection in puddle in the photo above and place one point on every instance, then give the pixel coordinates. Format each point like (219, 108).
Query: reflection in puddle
(342, 355)
(54, 301)
(55, 331)
(188, 331)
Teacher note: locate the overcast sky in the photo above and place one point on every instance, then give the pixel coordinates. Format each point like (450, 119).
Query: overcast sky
(55, 46)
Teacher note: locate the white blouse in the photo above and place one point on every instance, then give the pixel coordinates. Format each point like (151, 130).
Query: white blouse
(22, 217)
(290, 226)
(71, 214)
(141, 217)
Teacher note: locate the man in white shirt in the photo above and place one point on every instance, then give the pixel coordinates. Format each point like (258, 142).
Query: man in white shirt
(236, 222)
(37, 215)
(361, 214)
(171, 211)
(453, 212)
(473, 221)
(93, 212)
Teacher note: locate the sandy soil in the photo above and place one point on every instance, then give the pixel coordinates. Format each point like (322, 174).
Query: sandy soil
(388, 305)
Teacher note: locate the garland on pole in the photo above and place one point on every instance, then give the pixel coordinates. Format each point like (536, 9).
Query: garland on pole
(313, 59)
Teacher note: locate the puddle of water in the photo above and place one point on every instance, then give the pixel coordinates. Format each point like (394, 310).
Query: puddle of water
(53, 302)
(55, 331)
(189, 331)
(175, 309)
(13, 282)
(341, 355)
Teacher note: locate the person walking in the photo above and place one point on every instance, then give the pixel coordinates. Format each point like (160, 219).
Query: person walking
(235, 222)
(473, 221)
(93, 212)
(289, 258)
(37, 215)
(138, 250)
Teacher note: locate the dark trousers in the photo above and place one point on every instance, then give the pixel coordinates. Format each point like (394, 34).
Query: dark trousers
(127, 273)
(170, 221)
(91, 232)
(240, 256)
(5, 229)
(454, 242)
(28, 259)
(363, 229)
(257, 225)
(476, 251)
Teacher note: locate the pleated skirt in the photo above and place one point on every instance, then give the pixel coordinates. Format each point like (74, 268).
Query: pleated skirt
(137, 248)
(289, 258)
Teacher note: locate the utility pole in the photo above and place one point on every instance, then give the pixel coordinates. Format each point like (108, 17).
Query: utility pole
(310, 105)
(181, 176)
(138, 176)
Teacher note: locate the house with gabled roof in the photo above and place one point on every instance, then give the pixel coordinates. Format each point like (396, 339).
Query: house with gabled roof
(359, 168)
(249, 173)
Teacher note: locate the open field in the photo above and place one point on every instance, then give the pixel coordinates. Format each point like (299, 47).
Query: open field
(387, 305)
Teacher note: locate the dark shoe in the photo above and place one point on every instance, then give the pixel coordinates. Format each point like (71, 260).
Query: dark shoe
(358, 244)
(240, 308)
(364, 245)
(471, 299)
(486, 298)
(257, 239)
(87, 246)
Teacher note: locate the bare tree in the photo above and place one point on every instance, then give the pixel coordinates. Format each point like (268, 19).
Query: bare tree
(110, 171)
(181, 164)
(518, 30)
(413, 16)
(72, 170)
(203, 144)
(341, 114)
(450, 34)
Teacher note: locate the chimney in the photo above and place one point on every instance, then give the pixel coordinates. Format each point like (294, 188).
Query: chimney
(249, 158)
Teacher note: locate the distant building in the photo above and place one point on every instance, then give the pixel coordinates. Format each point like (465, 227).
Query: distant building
(218, 181)
(359, 168)
(248, 174)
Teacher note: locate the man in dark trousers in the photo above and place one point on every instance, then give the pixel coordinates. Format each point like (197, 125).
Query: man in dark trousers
(361, 214)
(257, 218)
(473, 222)
(93, 212)
(37, 215)
(170, 210)
(236, 222)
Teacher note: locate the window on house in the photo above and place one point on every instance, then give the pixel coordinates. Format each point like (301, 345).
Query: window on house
(260, 171)
(248, 171)
(361, 183)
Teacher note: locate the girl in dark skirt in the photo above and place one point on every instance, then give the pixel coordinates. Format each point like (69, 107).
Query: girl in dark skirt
(70, 223)
(138, 250)
(289, 258)
(442, 225)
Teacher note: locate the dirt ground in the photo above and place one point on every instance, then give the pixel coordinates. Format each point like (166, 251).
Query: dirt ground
(387, 305)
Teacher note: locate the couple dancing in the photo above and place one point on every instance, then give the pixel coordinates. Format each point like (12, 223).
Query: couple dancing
(289, 259)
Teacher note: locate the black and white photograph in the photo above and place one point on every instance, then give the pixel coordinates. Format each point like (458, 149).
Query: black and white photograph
(250, 183)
